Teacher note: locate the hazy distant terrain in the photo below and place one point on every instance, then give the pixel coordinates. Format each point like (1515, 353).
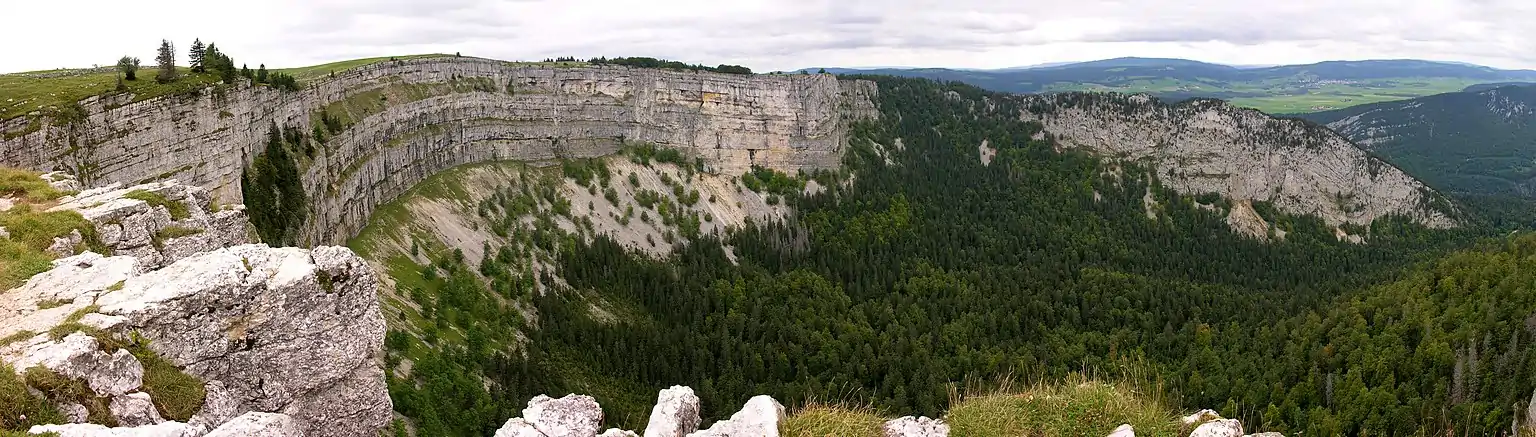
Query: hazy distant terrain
(1278, 89)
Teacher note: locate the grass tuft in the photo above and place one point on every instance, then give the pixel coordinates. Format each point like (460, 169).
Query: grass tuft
(60, 389)
(26, 184)
(825, 420)
(178, 210)
(16, 402)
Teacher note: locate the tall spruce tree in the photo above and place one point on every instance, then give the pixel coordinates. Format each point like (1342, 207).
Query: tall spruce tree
(196, 56)
(261, 73)
(167, 62)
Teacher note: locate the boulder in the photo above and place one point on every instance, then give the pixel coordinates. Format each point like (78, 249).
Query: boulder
(676, 413)
(271, 330)
(73, 412)
(134, 409)
(570, 416)
(283, 330)
(1219, 428)
(162, 429)
(760, 417)
(1200, 417)
(517, 427)
(1266, 434)
(255, 424)
(908, 426)
(65, 246)
(1124, 430)
(615, 432)
(79, 356)
(62, 181)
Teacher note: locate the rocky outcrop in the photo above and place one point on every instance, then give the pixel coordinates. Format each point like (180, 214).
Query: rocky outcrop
(909, 426)
(258, 425)
(437, 113)
(676, 413)
(1209, 146)
(271, 330)
(1204, 423)
(158, 223)
(760, 417)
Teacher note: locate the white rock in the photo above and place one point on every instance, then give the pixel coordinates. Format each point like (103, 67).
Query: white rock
(908, 426)
(79, 356)
(77, 275)
(134, 409)
(676, 413)
(258, 425)
(73, 412)
(257, 320)
(1266, 434)
(570, 416)
(1199, 417)
(1219, 428)
(65, 246)
(517, 427)
(163, 429)
(759, 418)
(615, 432)
(1124, 430)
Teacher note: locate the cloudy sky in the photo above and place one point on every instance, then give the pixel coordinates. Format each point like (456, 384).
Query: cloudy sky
(778, 34)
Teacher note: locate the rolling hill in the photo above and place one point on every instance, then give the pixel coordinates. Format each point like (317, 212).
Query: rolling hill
(1467, 143)
(1279, 89)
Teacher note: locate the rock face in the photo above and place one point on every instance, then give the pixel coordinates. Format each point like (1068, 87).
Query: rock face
(163, 429)
(1219, 428)
(443, 112)
(154, 234)
(1208, 146)
(258, 425)
(571, 416)
(909, 426)
(676, 413)
(761, 417)
(275, 330)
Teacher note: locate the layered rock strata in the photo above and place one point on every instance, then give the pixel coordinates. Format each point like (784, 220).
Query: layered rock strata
(286, 331)
(1209, 146)
(417, 117)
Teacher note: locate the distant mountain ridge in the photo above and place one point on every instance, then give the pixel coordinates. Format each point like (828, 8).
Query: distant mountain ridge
(1480, 142)
(1276, 89)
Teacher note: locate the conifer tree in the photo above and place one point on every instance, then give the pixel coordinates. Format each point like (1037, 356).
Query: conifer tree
(245, 70)
(197, 56)
(167, 62)
(261, 73)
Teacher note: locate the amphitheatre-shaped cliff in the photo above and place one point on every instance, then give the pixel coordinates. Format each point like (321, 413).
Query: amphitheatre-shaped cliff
(396, 122)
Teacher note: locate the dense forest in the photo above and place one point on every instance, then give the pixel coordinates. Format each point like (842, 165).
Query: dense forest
(921, 267)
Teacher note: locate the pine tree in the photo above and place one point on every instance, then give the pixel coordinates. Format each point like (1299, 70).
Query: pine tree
(245, 71)
(167, 62)
(261, 74)
(197, 56)
(129, 66)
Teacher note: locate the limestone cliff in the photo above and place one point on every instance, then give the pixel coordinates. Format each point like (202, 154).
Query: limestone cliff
(412, 118)
(1209, 146)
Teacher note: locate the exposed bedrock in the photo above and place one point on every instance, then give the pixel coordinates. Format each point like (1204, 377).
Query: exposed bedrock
(422, 116)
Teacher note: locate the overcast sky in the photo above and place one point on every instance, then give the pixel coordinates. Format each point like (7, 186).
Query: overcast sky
(771, 35)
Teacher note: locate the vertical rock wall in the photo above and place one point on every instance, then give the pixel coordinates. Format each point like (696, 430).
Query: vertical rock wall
(456, 111)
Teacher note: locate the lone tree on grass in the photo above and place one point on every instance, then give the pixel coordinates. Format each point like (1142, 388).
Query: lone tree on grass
(197, 56)
(167, 61)
(129, 66)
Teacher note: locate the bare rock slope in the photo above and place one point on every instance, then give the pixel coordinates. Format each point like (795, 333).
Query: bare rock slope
(1209, 146)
